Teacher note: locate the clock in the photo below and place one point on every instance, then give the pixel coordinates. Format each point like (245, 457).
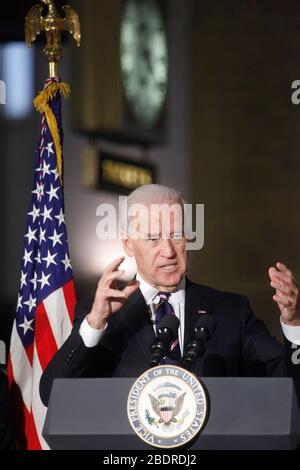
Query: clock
(120, 73)
(144, 61)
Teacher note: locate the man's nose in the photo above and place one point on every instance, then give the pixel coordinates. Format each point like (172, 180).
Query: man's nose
(167, 248)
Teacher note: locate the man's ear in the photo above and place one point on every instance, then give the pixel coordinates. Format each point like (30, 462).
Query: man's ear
(127, 245)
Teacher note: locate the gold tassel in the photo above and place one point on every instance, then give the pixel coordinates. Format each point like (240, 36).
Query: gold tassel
(42, 106)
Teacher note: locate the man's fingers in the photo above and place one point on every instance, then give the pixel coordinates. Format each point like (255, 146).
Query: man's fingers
(108, 293)
(283, 287)
(113, 265)
(281, 276)
(111, 293)
(283, 301)
(287, 291)
(273, 273)
(283, 268)
(282, 281)
(111, 273)
(106, 280)
(282, 272)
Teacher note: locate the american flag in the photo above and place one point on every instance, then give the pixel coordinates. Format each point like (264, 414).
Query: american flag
(46, 300)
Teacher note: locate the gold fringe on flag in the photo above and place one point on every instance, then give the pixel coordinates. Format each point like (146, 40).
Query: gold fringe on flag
(42, 106)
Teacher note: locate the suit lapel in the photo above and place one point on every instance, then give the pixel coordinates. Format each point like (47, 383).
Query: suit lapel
(139, 323)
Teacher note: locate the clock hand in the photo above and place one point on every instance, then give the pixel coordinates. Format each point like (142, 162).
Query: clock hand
(146, 55)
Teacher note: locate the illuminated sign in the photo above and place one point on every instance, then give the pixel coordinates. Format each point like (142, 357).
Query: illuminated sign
(108, 172)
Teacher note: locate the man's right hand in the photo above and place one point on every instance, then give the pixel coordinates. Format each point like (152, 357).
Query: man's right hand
(108, 299)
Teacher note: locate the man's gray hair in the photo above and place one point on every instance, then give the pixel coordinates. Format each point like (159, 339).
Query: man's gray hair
(150, 194)
(154, 194)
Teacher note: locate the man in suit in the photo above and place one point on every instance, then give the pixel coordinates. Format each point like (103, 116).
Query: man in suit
(113, 331)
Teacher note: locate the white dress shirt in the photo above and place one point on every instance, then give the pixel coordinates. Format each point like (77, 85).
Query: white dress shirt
(176, 299)
(292, 333)
(91, 336)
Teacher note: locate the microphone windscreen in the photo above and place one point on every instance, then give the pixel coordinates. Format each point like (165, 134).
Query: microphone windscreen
(207, 321)
(171, 322)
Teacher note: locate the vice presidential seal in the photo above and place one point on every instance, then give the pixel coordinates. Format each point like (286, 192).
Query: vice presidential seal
(167, 406)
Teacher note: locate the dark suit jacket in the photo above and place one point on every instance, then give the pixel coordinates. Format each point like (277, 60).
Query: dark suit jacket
(6, 433)
(240, 346)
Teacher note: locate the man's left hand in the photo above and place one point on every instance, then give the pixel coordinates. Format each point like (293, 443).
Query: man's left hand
(287, 294)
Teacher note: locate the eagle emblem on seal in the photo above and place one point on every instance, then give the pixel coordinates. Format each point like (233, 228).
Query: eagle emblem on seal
(167, 407)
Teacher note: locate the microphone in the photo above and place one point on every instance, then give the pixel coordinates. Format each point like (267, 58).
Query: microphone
(203, 331)
(167, 333)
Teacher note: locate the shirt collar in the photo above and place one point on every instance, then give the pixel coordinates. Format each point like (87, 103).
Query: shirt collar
(149, 292)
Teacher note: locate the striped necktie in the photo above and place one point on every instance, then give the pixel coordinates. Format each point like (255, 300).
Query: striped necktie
(164, 307)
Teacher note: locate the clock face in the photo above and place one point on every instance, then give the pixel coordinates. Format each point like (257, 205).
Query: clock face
(144, 60)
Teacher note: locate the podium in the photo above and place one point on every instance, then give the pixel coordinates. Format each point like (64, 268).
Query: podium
(245, 413)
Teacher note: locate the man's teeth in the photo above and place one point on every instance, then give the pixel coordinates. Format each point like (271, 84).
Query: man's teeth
(169, 266)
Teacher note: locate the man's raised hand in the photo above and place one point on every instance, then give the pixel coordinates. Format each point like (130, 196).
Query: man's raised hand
(108, 299)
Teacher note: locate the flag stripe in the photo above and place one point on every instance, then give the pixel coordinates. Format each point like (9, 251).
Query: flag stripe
(21, 368)
(58, 316)
(38, 409)
(33, 441)
(45, 341)
(70, 299)
(25, 425)
(29, 352)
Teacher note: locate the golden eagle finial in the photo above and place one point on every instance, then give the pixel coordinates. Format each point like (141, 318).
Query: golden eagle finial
(53, 25)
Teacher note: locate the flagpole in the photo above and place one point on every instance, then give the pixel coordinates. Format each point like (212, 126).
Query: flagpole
(45, 308)
(53, 25)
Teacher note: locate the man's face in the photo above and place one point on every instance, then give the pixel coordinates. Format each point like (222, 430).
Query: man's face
(155, 238)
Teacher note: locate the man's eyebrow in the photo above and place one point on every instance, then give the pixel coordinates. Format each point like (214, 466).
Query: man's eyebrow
(153, 234)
